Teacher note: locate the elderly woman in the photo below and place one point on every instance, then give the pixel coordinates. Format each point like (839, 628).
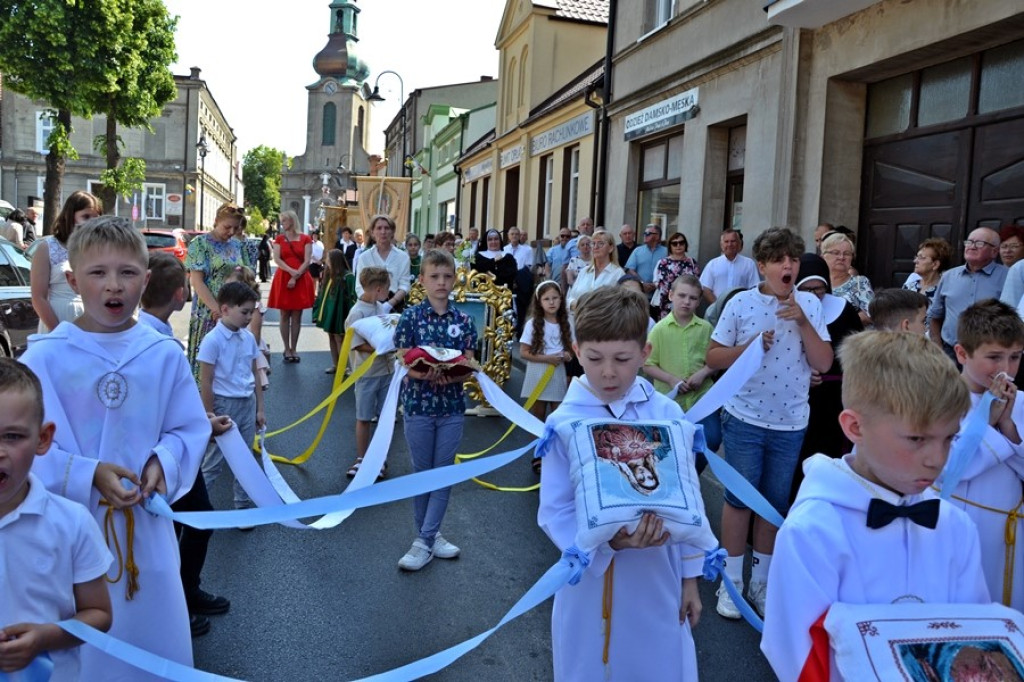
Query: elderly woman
(292, 290)
(838, 252)
(1011, 244)
(932, 259)
(578, 264)
(212, 257)
(602, 270)
(668, 269)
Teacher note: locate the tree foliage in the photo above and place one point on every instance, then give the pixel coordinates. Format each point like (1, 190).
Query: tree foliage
(83, 57)
(261, 173)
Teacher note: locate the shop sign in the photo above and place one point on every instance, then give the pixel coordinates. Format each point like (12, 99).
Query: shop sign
(666, 114)
(571, 130)
(511, 157)
(174, 204)
(478, 170)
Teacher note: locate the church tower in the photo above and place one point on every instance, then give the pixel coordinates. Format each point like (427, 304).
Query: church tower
(337, 121)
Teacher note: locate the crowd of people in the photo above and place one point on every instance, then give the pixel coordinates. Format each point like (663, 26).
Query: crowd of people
(835, 428)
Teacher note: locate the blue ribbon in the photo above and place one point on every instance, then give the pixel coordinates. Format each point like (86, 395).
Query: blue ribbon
(972, 432)
(379, 493)
(714, 567)
(742, 488)
(39, 670)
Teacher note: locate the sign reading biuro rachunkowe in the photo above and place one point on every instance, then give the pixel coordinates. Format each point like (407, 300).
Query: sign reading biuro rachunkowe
(662, 115)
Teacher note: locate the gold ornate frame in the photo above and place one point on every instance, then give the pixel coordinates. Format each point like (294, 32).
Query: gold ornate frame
(498, 332)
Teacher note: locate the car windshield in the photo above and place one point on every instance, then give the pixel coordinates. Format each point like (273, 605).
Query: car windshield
(160, 241)
(11, 258)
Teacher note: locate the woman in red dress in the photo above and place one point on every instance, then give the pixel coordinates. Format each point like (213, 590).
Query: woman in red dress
(292, 290)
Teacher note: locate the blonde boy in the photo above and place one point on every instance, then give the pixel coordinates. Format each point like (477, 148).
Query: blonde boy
(867, 528)
(899, 310)
(129, 423)
(372, 387)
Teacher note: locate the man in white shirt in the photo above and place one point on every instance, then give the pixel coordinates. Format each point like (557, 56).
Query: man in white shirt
(524, 274)
(731, 270)
(316, 265)
(474, 237)
(384, 254)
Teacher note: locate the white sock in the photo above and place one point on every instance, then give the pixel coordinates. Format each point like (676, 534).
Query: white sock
(734, 569)
(759, 567)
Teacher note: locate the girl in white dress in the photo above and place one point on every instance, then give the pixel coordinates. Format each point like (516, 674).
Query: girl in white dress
(52, 297)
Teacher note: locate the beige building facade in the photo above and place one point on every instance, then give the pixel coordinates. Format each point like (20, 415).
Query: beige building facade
(900, 120)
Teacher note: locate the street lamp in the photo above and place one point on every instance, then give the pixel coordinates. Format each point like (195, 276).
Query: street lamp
(203, 148)
(375, 96)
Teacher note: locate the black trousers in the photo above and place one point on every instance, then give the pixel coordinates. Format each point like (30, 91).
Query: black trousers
(192, 542)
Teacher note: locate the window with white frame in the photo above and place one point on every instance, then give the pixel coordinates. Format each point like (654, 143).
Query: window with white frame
(570, 186)
(153, 200)
(657, 13)
(547, 182)
(45, 123)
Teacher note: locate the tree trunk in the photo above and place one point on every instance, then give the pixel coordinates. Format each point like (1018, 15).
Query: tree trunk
(108, 195)
(55, 163)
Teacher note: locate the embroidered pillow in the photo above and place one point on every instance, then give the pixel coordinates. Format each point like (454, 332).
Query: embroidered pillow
(452, 363)
(926, 642)
(378, 330)
(620, 470)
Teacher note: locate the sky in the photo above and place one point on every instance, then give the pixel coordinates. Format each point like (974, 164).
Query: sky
(256, 56)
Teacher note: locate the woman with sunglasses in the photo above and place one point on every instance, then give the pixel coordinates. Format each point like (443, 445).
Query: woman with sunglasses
(668, 270)
(212, 258)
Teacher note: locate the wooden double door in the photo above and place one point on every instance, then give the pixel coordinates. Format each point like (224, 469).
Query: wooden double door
(943, 184)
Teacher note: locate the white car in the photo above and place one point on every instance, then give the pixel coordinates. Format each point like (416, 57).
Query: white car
(5, 210)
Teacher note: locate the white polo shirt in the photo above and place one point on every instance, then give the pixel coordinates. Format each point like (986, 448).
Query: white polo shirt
(48, 544)
(522, 253)
(231, 354)
(722, 275)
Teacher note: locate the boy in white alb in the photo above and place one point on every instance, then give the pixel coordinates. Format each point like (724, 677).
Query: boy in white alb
(763, 425)
(866, 529)
(52, 556)
(129, 424)
(227, 376)
(653, 592)
(990, 340)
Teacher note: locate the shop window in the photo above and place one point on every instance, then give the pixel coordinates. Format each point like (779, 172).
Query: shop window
(546, 189)
(659, 184)
(570, 186)
(474, 187)
(945, 92)
(330, 124)
(485, 196)
(889, 106)
(1002, 72)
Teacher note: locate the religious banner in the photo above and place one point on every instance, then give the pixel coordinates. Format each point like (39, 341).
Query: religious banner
(387, 195)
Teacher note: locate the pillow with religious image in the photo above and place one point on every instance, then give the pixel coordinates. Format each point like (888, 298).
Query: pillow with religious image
(378, 330)
(453, 363)
(926, 642)
(619, 470)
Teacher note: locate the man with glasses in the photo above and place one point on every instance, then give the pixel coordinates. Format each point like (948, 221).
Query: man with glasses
(643, 259)
(559, 255)
(979, 278)
(731, 270)
(627, 243)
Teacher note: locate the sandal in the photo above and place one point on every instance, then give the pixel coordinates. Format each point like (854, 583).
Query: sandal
(330, 370)
(536, 463)
(383, 472)
(354, 469)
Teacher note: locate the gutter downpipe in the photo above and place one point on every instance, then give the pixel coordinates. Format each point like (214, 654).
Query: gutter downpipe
(606, 97)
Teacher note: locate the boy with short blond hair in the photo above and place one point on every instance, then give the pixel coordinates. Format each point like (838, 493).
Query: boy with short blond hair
(371, 388)
(899, 310)
(129, 423)
(55, 560)
(867, 528)
(433, 404)
(990, 341)
(590, 641)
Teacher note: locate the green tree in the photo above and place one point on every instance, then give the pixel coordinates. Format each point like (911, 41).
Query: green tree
(261, 172)
(83, 57)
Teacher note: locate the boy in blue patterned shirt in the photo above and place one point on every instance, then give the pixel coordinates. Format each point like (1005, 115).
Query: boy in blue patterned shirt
(433, 404)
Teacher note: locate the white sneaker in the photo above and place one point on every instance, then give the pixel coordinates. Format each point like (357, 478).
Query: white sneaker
(444, 549)
(487, 411)
(726, 608)
(757, 592)
(418, 556)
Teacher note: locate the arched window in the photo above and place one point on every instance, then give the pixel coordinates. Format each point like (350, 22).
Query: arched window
(359, 127)
(330, 124)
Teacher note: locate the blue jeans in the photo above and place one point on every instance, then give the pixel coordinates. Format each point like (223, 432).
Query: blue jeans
(243, 413)
(764, 457)
(432, 444)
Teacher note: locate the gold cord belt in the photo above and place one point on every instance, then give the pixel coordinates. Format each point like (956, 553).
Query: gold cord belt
(1009, 538)
(125, 563)
(606, 608)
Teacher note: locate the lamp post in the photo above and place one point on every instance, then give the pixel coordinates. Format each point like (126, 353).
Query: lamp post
(375, 96)
(203, 148)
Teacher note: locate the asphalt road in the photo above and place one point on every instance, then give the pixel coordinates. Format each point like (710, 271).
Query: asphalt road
(332, 605)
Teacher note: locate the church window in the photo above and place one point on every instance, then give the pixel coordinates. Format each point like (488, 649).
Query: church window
(330, 124)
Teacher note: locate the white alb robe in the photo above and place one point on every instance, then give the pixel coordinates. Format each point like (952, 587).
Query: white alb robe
(123, 410)
(648, 640)
(825, 553)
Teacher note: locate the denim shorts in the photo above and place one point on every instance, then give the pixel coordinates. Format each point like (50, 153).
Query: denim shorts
(764, 457)
(370, 395)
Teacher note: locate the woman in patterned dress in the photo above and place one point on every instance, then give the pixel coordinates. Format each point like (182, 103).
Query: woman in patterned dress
(212, 257)
(668, 270)
(838, 251)
(52, 297)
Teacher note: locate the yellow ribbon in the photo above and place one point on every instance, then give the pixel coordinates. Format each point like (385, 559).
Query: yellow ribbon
(340, 385)
(126, 562)
(533, 397)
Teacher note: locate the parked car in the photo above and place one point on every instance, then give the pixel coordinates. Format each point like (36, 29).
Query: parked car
(18, 318)
(5, 210)
(172, 241)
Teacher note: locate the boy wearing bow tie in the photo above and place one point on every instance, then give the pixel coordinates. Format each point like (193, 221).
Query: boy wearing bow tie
(990, 341)
(867, 528)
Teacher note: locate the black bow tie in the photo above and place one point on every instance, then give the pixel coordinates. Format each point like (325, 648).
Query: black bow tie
(881, 513)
